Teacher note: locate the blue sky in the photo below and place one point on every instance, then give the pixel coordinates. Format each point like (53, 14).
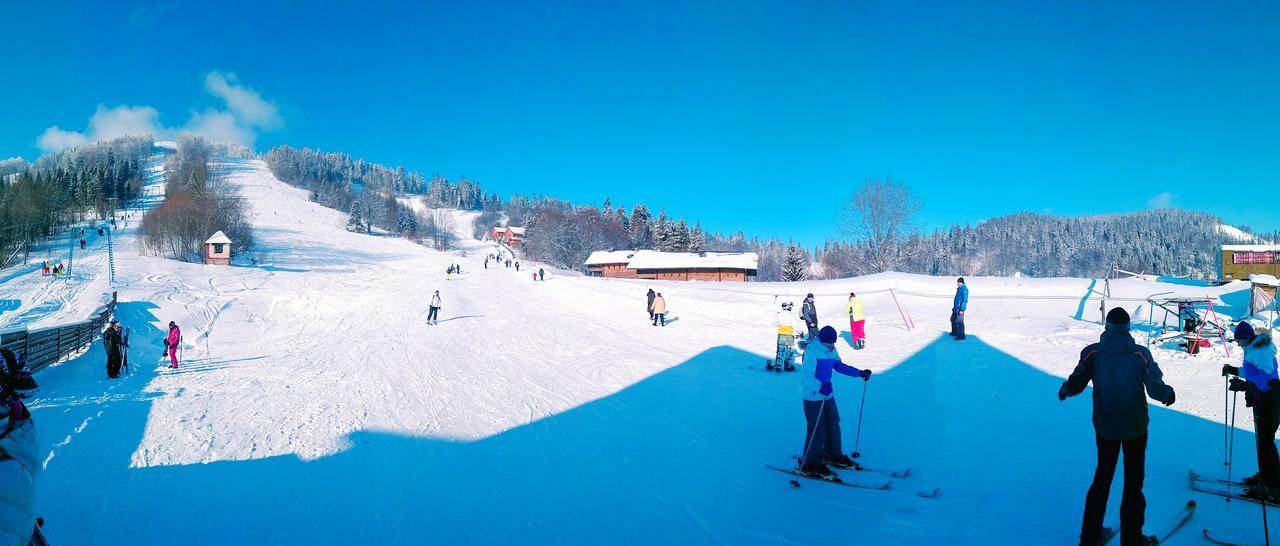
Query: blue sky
(752, 116)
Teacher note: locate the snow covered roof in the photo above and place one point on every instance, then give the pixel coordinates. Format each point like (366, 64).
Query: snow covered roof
(218, 238)
(1264, 279)
(601, 257)
(516, 230)
(1251, 248)
(652, 259)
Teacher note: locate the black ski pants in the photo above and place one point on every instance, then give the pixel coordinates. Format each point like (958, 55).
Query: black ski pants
(432, 313)
(957, 324)
(1133, 505)
(822, 435)
(1266, 419)
(113, 364)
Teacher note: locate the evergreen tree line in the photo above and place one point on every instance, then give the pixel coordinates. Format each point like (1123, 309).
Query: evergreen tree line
(198, 203)
(88, 181)
(1166, 242)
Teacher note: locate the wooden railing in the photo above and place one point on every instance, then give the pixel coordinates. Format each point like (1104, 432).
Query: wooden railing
(44, 346)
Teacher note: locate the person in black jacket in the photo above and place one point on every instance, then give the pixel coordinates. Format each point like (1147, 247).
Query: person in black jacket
(1120, 370)
(114, 344)
(809, 314)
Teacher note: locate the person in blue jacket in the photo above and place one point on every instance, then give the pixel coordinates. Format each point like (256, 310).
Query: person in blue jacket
(1261, 388)
(822, 437)
(958, 305)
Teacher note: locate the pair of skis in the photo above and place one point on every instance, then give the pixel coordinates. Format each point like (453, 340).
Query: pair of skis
(878, 485)
(1179, 521)
(1221, 488)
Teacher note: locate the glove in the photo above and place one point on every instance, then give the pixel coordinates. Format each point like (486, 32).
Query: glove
(1228, 369)
(1062, 392)
(825, 389)
(866, 375)
(1237, 385)
(1172, 396)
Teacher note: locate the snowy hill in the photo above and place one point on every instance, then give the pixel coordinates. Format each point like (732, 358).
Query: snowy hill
(315, 406)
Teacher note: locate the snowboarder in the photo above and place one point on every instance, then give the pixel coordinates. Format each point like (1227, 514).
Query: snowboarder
(542, 275)
(1262, 393)
(822, 434)
(174, 340)
(19, 454)
(958, 305)
(659, 310)
(650, 297)
(785, 321)
(114, 344)
(809, 313)
(433, 310)
(1120, 369)
(857, 321)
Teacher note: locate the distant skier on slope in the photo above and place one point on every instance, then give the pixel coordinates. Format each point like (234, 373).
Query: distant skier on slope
(113, 343)
(785, 321)
(650, 297)
(1261, 387)
(174, 340)
(822, 417)
(542, 275)
(809, 313)
(857, 321)
(19, 455)
(1120, 369)
(659, 310)
(433, 310)
(958, 305)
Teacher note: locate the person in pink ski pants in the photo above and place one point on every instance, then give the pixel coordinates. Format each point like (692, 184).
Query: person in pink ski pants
(175, 337)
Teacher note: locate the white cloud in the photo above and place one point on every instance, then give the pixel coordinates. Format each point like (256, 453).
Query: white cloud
(1163, 200)
(244, 115)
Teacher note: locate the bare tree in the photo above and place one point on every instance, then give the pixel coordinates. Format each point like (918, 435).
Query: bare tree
(879, 217)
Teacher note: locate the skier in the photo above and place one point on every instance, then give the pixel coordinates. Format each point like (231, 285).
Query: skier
(19, 455)
(517, 266)
(1262, 393)
(958, 306)
(822, 435)
(659, 310)
(785, 321)
(433, 310)
(809, 314)
(113, 343)
(857, 321)
(174, 340)
(650, 296)
(1119, 369)
(542, 275)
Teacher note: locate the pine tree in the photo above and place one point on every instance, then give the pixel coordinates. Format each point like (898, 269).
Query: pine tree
(639, 230)
(795, 266)
(356, 223)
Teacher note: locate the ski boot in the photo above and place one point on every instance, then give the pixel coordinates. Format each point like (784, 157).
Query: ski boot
(817, 470)
(1259, 491)
(768, 367)
(841, 461)
(789, 368)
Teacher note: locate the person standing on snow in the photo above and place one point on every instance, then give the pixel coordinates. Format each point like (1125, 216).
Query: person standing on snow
(785, 322)
(659, 310)
(1120, 369)
(114, 344)
(650, 296)
(174, 340)
(542, 275)
(1261, 387)
(822, 417)
(857, 321)
(958, 306)
(433, 310)
(19, 455)
(809, 313)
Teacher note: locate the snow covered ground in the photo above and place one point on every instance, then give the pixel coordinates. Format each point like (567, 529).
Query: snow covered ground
(315, 406)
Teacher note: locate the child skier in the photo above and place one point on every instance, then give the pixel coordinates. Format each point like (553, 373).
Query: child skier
(1120, 369)
(1262, 393)
(822, 436)
(433, 310)
(174, 339)
(785, 322)
(857, 321)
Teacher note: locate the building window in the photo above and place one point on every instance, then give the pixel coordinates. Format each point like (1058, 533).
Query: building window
(1254, 258)
(217, 247)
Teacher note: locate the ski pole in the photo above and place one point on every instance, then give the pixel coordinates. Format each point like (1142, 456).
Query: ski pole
(1226, 429)
(809, 443)
(1232, 444)
(1266, 530)
(857, 441)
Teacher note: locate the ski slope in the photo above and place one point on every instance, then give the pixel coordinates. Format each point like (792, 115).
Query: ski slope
(315, 406)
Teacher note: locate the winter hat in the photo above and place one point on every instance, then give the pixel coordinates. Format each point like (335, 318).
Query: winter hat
(1244, 331)
(16, 376)
(1118, 317)
(960, 280)
(852, 295)
(810, 295)
(827, 334)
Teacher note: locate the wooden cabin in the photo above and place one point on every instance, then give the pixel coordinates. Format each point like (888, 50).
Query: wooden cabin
(674, 266)
(1240, 261)
(217, 250)
(610, 263)
(511, 236)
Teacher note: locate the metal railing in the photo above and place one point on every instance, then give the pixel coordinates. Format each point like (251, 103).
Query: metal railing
(44, 346)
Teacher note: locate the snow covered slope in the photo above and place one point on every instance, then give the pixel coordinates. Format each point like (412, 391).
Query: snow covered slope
(315, 406)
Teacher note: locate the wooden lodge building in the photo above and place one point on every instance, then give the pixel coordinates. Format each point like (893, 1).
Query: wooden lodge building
(673, 266)
(508, 235)
(1240, 261)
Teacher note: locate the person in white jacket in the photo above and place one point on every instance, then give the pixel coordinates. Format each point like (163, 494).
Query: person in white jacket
(433, 310)
(822, 435)
(787, 323)
(19, 456)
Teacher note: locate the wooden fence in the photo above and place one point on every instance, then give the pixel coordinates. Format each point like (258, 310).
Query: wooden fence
(44, 346)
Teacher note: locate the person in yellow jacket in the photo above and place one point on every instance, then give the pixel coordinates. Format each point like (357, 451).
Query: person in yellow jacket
(857, 321)
(784, 359)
